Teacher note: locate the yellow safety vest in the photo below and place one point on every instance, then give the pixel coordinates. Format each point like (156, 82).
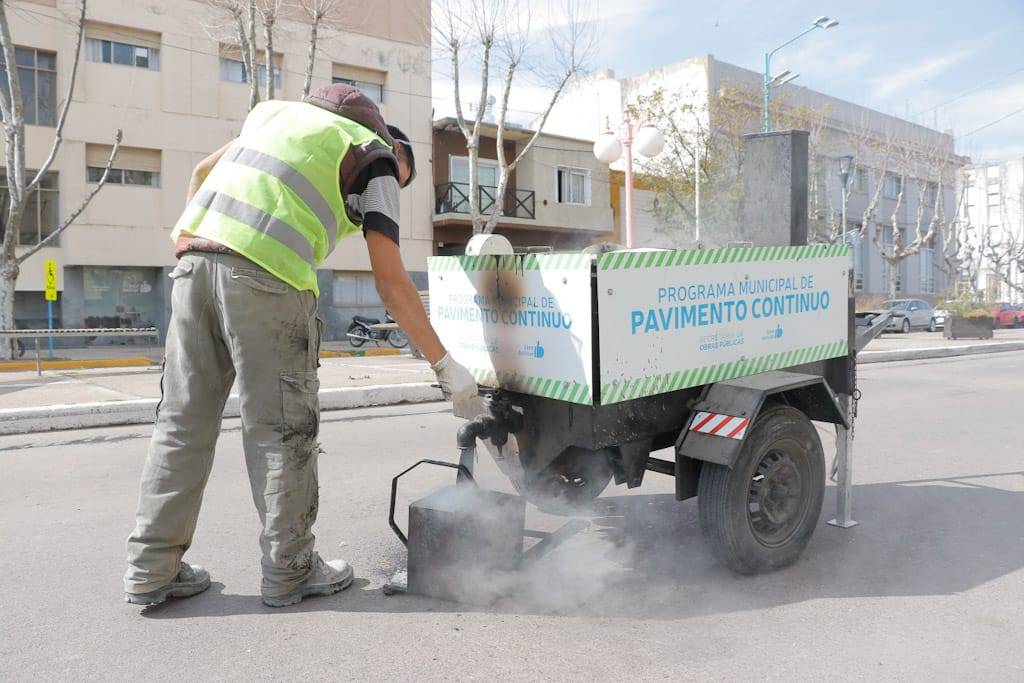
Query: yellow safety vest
(274, 197)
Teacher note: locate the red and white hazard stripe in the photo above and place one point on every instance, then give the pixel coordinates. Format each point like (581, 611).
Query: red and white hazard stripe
(720, 425)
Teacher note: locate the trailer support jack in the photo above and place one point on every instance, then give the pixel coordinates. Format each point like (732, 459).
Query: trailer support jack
(844, 467)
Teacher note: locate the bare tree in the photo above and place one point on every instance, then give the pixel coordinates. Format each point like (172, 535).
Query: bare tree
(20, 188)
(316, 11)
(269, 11)
(960, 254)
(1002, 246)
(499, 33)
(241, 19)
(932, 168)
(700, 135)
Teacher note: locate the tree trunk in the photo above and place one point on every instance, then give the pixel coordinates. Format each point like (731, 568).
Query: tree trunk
(307, 82)
(8, 279)
(268, 33)
(254, 76)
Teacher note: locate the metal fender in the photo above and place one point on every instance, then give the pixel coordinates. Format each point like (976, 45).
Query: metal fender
(723, 415)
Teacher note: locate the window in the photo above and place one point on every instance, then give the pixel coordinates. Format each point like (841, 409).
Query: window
(927, 262)
(113, 52)
(573, 186)
(37, 73)
(40, 217)
(375, 91)
(233, 71)
(458, 177)
(120, 176)
(133, 165)
(893, 185)
(369, 81)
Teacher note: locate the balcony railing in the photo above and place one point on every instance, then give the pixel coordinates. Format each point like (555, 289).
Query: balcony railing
(454, 198)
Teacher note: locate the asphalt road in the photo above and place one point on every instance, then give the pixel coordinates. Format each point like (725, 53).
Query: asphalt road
(929, 586)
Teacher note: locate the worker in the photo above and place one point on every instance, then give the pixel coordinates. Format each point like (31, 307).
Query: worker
(263, 213)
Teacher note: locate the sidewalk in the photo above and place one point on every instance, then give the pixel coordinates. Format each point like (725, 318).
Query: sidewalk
(135, 355)
(67, 399)
(26, 389)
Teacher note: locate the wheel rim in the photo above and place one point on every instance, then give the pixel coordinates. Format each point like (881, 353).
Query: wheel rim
(776, 502)
(398, 339)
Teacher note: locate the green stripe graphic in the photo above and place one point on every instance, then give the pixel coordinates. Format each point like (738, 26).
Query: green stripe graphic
(628, 260)
(620, 390)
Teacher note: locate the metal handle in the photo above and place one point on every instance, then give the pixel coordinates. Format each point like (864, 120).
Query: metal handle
(466, 475)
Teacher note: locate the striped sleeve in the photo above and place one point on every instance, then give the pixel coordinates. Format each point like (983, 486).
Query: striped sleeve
(378, 203)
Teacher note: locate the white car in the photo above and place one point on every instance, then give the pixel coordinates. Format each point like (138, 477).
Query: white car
(908, 314)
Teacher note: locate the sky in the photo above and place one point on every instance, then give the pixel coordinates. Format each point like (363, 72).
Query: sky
(949, 65)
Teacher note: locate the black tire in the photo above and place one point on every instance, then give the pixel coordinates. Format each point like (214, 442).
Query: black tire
(570, 483)
(905, 327)
(352, 340)
(932, 327)
(398, 339)
(782, 451)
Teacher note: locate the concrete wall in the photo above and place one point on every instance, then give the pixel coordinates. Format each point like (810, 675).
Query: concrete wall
(185, 111)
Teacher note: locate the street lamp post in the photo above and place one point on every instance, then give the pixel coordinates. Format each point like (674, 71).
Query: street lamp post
(785, 76)
(609, 148)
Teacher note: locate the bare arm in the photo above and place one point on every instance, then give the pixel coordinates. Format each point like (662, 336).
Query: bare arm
(203, 169)
(399, 293)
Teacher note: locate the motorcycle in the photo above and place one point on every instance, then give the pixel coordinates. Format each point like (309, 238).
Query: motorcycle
(361, 330)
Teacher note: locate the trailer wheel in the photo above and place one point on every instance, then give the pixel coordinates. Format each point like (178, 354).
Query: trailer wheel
(571, 482)
(759, 515)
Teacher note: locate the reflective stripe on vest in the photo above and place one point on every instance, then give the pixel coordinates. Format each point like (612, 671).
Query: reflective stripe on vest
(253, 158)
(257, 219)
(274, 196)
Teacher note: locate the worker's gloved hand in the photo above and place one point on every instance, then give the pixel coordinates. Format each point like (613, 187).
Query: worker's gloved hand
(456, 382)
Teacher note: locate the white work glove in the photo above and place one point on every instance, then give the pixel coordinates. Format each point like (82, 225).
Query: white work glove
(457, 384)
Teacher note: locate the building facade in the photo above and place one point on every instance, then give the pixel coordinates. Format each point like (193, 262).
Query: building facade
(172, 79)
(993, 208)
(905, 172)
(557, 196)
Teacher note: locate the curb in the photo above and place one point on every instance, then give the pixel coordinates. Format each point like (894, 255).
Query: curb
(937, 352)
(142, 411)
(360, 353)
(68, 364)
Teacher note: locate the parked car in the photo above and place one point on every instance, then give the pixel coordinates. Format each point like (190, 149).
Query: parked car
(908, 314)
(941, 313)
(1006, 315)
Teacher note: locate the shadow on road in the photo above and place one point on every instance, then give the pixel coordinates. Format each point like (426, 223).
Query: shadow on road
(644, 557)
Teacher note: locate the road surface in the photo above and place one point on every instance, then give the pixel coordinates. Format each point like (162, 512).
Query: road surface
(928, 586)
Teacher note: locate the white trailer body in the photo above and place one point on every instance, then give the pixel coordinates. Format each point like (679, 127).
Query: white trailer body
(603, 329)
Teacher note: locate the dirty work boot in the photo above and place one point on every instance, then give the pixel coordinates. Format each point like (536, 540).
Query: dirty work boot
(328, 578)
(191, 580)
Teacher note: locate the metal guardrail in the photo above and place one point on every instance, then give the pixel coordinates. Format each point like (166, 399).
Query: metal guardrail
(454, 198)
(78, 332)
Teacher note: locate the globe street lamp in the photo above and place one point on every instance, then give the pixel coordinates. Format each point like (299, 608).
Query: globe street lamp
(785, 76)
(609, 148)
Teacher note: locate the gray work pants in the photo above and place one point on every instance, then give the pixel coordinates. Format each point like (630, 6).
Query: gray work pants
(230, 318)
